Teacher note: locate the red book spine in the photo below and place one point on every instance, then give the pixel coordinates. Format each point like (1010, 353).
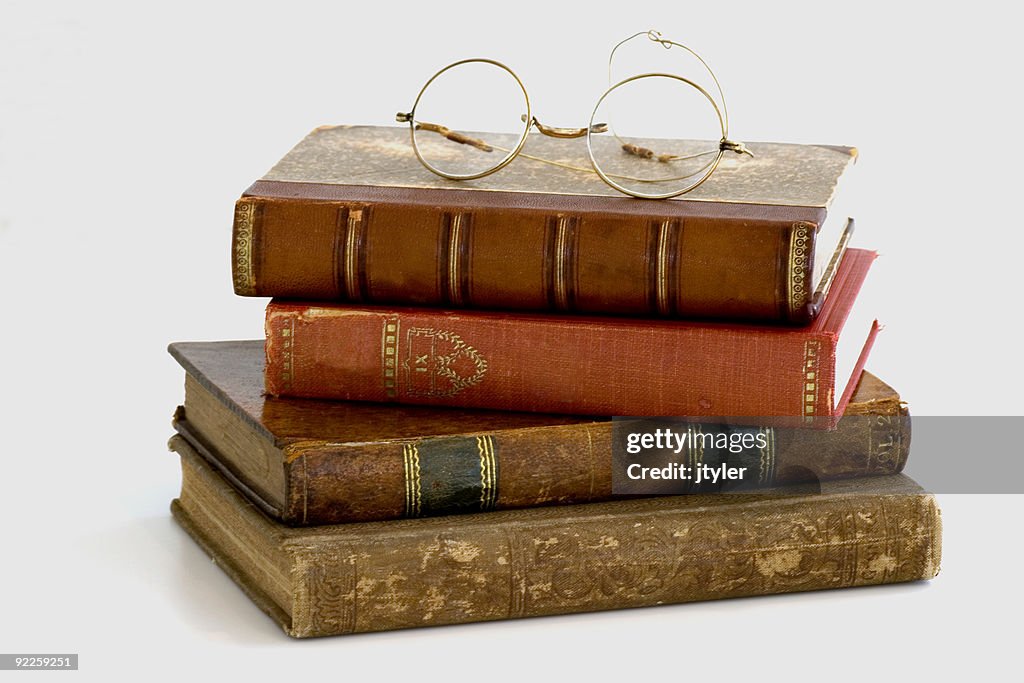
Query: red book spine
(559, 364)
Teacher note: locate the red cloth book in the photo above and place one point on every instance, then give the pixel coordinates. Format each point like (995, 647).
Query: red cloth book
(572, 364)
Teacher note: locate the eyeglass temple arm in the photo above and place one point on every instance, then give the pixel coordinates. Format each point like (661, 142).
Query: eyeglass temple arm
(452, 135)
(644, 153)
(656, 37)
(724, 144)
(553, 132)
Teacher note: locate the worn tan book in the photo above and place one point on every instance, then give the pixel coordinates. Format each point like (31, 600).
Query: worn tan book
(378, 576)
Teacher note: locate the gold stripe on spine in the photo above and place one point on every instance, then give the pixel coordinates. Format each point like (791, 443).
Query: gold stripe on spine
(244, 274)
(561, 265)
(494, 471)
(492, 499)
(416, 478)
(411, 463)
(305, 490)
(488, 473)
(486, 495)
(287, 345)
(688, 458)
(691, 451)
(766, 473)
(812, 352)
(661, 268)
(483, 471)
(761, 468)
(407, 478)
(389, 355)
(353, 225)
(797, 290)
(454, 263)
(698, 457)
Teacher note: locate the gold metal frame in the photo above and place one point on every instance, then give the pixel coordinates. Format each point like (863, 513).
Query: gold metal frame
(411, 118)
(592, 128)
(707, 169)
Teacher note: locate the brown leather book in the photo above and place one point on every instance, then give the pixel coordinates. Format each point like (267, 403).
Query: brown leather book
(378, 576)
(351, 215)
(319, 462)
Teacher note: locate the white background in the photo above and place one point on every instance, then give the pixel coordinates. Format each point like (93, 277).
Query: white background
(126, 133)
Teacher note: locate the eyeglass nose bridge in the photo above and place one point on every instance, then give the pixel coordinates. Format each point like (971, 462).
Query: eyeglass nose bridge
(566, 133)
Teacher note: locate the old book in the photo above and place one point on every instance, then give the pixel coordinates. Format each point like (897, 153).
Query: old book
(351, 215)
(377, 576)
(319, 462)
(572, 364)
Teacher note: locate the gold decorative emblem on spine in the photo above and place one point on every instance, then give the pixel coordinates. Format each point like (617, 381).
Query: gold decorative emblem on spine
(798, 289)
(243, 271)
(439, 363)
(287, 344)
(389, 355)
(488, 473)
(411, 463)
(766, 473)
(812, 351)
(454, 263)
(353, 227)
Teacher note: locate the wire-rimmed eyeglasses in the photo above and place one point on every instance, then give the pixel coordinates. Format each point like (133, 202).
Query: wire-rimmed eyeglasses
(473, 117)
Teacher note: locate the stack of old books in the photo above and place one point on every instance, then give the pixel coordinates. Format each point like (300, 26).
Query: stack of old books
(424, 436)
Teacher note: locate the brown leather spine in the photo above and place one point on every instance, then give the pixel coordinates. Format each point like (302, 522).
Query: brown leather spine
(532, 252)
(331, 484)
